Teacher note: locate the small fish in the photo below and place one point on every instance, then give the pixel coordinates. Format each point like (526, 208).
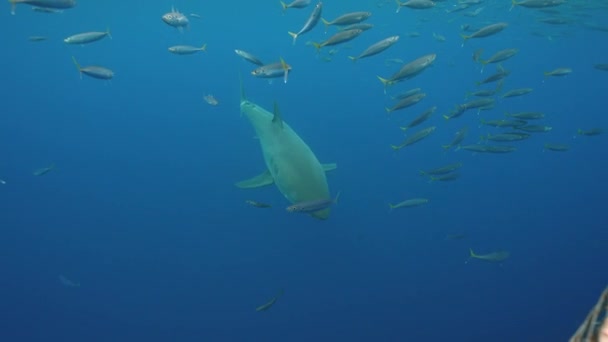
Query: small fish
(486, 31)
(187, 49)
(601, 66)
(347, 19)
(517, 92)
(491, 257)
(312, 21)
(406, 102)
(94, 71)
(445, 178)
(556, 147)
(43, 171)
(535, 128)
(477, 55)
(558, 72)
(376, 48)
(526, 115)
(295, 4)
(2, 181)
(414, 202)
(409, 70)
(415, 4)
(537, 3)
(194, 15)
(87, 37)
(489, 148)
(249, 57)
(438, 37)
(338, 38)
(257, 204)
(503, 137)
(67, 282)
(500, 56)
(458, 138)
(456, 236)
(414, 138)
(176, 19)
(37, 38)
(210, 99)
(442, 170)
(590, 132)
(420, 118)
(273, 70)
(270, 303)
(313, 206)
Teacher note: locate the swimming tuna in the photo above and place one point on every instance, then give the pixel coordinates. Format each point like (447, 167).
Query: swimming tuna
(176, 19)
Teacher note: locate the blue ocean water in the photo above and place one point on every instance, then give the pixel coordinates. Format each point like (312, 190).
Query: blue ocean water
(141, 209)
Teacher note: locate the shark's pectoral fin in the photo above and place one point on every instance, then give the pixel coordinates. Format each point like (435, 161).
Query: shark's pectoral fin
(329, 167)
(257, 181)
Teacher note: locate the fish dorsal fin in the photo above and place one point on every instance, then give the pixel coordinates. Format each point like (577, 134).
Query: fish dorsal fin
(276, 119)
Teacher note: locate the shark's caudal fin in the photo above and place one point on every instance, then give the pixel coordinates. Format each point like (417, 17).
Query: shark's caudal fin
(258, 181)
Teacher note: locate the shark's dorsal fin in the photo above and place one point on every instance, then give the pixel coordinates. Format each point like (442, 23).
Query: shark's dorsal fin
(276, 119)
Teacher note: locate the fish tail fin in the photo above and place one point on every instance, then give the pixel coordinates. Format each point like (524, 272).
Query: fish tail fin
(398, 6)
(446, 147)
(422, 173)
(285, 68)
(352, 58)
(384, 81)
(395, 147)
(391, 207)
(326, 23)
(388, 110)
(513, 4)
(204, 47)
(317, 46)
(337, 197)
(446, 117)
(465, 37)
(284, 5)
(579, 131)
(471, 253)
(294, 36)
(404, 128)
(108, 33)
(77, 66)
(457, 148)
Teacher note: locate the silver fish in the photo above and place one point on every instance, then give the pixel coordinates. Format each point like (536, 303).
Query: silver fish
(312, 21)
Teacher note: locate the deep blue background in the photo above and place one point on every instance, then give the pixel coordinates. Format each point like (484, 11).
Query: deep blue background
(142, 210)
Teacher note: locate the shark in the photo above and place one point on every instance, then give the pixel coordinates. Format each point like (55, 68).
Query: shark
(290, 163)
